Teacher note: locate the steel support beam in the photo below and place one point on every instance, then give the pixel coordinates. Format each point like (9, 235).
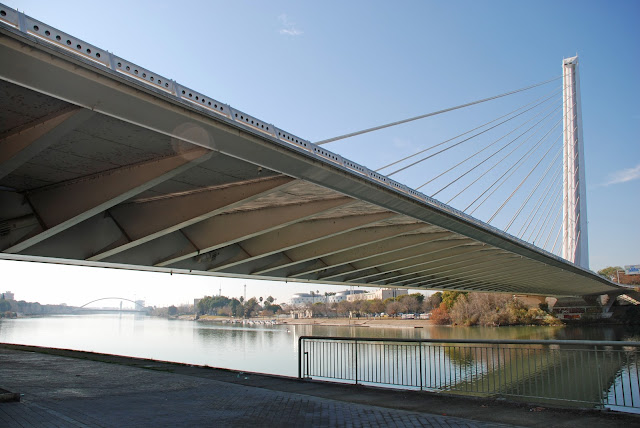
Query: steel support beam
(352, 263)
(27, 141)
(496, 265)
(393, 268)
(226, 229)
(62, 206)
(141, 223)
(497, 276)
(483, 256)
(300, 234)
(348, 241)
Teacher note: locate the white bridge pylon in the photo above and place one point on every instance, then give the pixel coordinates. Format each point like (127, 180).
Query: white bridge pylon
(575, 245)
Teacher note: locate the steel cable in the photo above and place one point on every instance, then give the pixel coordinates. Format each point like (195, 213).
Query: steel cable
(555, 221)
(513, 167)
(547, 211)
(546, 221)
(542, 203)
(555, 92)
(520, 185)
(494, 166)
(516, 168)
(553, 249)
(463, 141)
(535, 188)
(492, 155)
(400, 122)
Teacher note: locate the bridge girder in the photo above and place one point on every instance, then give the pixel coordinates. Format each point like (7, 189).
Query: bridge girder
(25, 142)
(392, 269)
(227, 229)
(300, 234)
(140, 222)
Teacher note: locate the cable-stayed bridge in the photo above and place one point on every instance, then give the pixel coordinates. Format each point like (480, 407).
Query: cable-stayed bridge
(105, 163)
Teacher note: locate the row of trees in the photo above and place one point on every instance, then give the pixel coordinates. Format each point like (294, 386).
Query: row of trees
(449, 307)
(9, 308)
(229, 306)
(225, 306)
(407, 303)
(487, 309)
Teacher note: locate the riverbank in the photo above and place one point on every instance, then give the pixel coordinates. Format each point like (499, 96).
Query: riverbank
(336, 322)
(374, 322)
(69, 388)
(361, 322)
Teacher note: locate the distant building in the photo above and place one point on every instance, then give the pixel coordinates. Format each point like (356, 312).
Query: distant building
(300, 299)
(342, 295)
(8, 295)
(382, 294)
(301, 313)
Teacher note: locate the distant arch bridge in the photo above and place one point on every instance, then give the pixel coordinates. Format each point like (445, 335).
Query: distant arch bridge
(137, 306)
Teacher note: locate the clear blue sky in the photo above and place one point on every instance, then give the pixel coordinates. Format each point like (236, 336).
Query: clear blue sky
(320, 69)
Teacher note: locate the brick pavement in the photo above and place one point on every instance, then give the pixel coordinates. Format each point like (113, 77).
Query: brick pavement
(65, 392)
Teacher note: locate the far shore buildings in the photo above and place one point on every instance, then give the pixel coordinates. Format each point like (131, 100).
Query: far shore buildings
(381, 293)
(8, 295)
(301, 299)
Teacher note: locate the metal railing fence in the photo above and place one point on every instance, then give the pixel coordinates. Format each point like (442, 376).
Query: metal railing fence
(594, 373)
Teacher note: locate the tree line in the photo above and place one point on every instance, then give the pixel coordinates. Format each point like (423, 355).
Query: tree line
(405, 304)
(10, 308)
(488, 309)
(232, 307)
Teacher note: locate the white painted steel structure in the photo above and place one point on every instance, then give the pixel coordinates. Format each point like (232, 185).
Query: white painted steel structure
(105, 163)
(575, 242)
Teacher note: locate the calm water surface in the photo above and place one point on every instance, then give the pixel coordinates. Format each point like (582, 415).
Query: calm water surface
(257, 348)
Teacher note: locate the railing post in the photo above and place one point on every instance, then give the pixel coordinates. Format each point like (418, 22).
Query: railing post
(600, 391)
(499, 371)
(420, 359)
(300, 357)
(356, 357)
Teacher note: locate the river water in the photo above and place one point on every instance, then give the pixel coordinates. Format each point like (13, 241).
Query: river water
(256, 348)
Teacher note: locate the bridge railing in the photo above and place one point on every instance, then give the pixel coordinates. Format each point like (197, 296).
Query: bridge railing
(576, 373)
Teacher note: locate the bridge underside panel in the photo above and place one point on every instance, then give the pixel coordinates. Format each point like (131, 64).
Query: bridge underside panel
(140, 181)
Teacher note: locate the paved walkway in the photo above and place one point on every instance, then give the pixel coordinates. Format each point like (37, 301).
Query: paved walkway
(60, 391)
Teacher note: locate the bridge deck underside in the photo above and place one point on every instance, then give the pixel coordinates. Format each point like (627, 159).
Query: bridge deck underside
(89, 186)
